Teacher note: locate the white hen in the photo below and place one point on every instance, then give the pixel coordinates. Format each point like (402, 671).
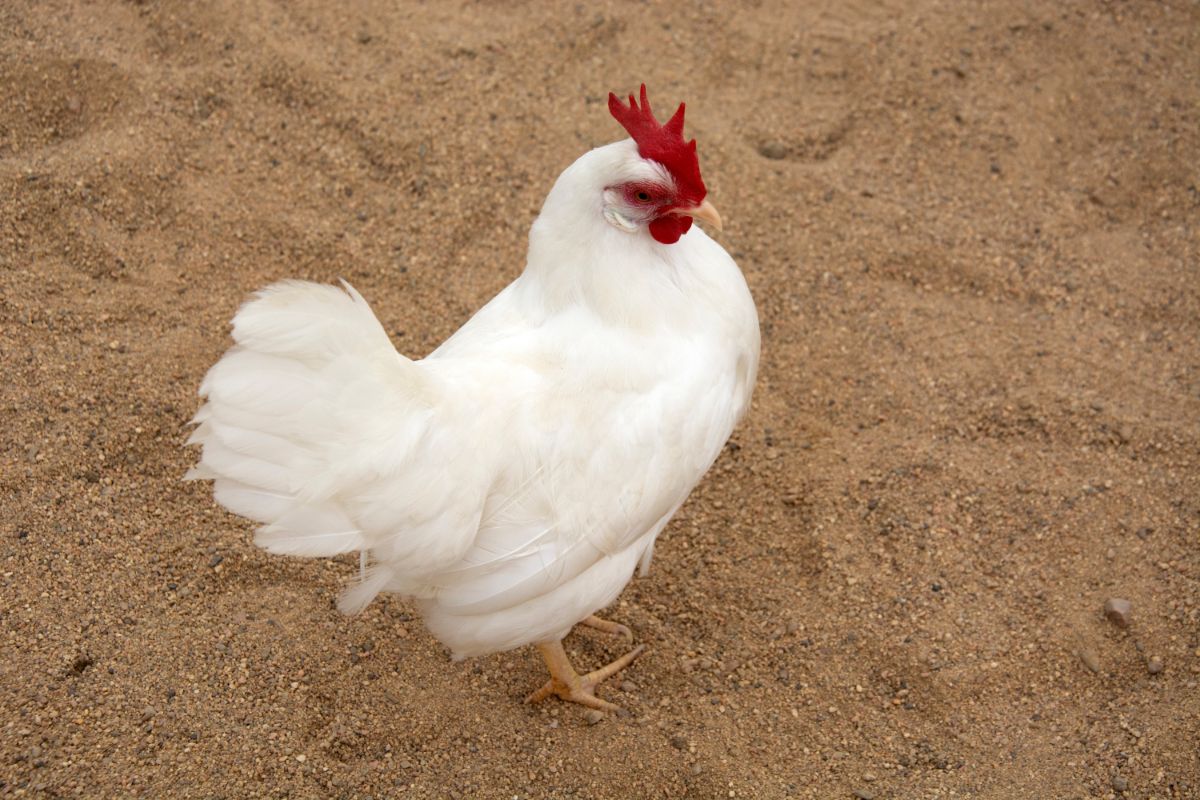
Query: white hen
(510, 482)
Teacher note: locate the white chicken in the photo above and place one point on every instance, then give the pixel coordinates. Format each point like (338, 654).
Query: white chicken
(510, 482)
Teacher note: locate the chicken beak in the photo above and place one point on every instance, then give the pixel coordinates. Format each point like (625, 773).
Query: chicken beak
(705, 211)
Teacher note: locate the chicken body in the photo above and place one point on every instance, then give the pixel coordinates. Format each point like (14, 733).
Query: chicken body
(511, 482)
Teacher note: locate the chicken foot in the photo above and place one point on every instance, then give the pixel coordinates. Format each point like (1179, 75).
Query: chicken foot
(569, 685)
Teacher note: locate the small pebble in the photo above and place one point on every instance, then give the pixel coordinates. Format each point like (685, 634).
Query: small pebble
(1089, 659)
(628, 686)
(593, 716)
(1117, 610)
(1119, 783)
(215, 560)
(863, 794)
(773, 150)
(148, 713)
(1154, 665)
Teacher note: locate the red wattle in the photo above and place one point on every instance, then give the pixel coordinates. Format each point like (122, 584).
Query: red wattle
(668, 229)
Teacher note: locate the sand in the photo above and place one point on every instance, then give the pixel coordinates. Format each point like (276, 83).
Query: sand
(972, 231)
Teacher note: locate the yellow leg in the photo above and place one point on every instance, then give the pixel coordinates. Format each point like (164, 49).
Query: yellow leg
(569, 685)
(615, 628)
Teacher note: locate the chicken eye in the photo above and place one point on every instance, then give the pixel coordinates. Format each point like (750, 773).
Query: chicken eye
(643, 197)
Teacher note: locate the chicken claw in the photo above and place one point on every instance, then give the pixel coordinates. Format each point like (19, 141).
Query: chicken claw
(569, 685)
(615, 628)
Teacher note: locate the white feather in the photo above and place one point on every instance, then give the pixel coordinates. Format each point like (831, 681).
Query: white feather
(259, 505)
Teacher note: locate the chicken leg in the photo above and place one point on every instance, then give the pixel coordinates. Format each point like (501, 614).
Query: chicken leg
(568, 684)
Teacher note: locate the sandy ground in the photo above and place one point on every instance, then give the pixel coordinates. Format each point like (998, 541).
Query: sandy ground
(972, 231)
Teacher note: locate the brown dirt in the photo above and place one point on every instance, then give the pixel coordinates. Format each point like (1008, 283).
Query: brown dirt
(974, 247)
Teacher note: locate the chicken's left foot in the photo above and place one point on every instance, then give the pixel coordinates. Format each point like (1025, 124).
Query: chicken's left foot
(569, 685)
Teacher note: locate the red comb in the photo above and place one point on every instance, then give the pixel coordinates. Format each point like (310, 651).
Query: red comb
(662, 143)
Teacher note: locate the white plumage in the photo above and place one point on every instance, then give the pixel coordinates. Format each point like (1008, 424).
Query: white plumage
(510, 482)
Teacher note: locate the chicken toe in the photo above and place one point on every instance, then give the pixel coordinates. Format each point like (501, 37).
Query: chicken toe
(615, 628)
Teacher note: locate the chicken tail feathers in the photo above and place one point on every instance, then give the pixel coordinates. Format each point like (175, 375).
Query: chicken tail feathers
(312, 399)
